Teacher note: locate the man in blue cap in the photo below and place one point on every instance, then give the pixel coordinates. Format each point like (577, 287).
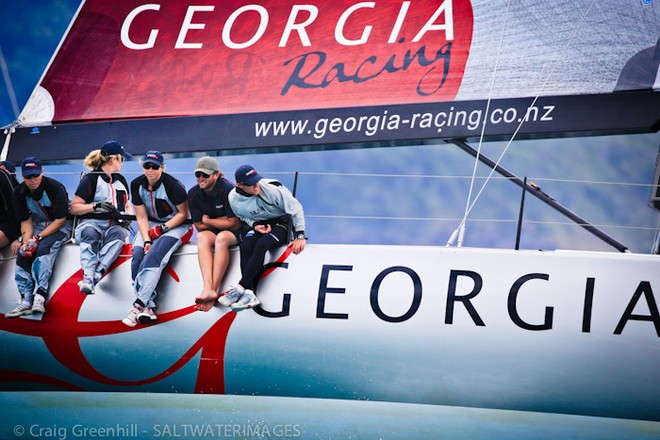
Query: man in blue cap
(275, 217)
(41, 205)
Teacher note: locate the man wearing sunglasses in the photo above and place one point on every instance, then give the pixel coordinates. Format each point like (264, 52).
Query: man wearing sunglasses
(41, 205)
(217, 227)
(161, 210)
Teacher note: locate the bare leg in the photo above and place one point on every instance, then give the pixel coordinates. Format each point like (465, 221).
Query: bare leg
(205, 242)
(223, 241)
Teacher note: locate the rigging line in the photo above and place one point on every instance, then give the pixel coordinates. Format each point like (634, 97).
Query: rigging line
(537, 179)
(490, 95)
(8, 84)
(482, 220)
(538, 94)
(655, 244)
(461, 227)
(388, 175)
(649, 4)
(411, 176)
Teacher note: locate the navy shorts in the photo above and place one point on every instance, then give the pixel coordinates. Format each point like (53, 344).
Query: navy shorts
(11, 229)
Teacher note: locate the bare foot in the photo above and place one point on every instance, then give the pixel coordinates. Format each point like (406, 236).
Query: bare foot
(205, 301)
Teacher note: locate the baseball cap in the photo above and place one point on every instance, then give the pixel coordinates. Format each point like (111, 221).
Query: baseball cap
(247, 175)
(111, 148)
(30, 167)
(154, 157)
(207, 165)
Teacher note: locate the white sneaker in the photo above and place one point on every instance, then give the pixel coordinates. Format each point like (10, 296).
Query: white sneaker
(131, 319)
(146, 316)
(20, 310)
(38, 304)
(86, 287)
(247, 301)
(230, 297)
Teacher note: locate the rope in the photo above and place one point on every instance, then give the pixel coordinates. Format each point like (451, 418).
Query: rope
(440, 176)
(9, 85)
(447, 176)
(479, 220)
(522, 121)
(460, 231)
(655, 246)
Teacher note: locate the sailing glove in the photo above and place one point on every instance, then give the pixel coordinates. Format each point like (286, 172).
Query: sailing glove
(157, 231)
(126, 223)
(105, 208)
(29, 249)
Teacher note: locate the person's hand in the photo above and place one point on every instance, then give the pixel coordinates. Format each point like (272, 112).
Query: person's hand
(124, 222)
(27, 250)
(105, 208)
(15, 246)
(298, 245)
(24, 252)
(263, 229)
(157, 231)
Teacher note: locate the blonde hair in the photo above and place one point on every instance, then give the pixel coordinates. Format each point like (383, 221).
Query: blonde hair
(96, 158)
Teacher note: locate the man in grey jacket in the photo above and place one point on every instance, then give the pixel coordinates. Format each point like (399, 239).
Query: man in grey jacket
(268, 208)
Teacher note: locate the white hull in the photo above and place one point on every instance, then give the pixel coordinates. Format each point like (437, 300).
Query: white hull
(364, 323)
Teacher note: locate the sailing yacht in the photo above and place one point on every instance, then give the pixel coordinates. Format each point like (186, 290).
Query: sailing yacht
(433, 339)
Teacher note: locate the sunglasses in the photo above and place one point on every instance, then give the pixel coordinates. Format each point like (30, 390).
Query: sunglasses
(199, 174)
(150, 166)
(31, 177)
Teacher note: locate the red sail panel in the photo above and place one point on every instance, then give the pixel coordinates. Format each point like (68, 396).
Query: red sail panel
(134, 59)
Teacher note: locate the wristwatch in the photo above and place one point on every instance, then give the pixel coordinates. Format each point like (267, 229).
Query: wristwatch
(301, 235)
